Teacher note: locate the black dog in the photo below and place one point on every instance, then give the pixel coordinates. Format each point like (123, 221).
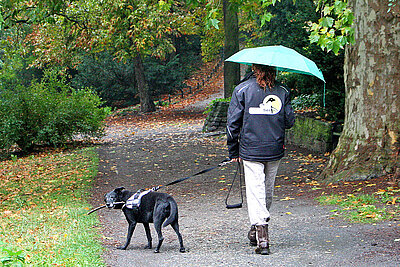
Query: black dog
(154, 208)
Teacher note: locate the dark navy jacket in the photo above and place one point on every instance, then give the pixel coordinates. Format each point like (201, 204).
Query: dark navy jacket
(257, 120)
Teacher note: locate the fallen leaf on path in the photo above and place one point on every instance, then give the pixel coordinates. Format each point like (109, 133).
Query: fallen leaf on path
(286, 198)
(7, 212)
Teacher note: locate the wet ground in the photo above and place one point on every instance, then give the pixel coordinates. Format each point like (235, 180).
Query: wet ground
(302, 233)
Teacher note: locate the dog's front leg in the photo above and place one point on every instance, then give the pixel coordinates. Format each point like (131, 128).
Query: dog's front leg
(148, 234)
(131, 228)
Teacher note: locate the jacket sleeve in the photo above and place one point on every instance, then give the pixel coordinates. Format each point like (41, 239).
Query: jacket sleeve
(289, 113)
(234, 124)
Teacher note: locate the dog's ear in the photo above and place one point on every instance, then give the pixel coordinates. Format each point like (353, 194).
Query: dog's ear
(119, 189)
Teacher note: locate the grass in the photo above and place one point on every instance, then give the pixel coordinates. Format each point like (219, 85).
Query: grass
(43, 210)
(365, 208)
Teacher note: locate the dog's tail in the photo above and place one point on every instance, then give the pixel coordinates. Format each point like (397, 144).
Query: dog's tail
(173, 215)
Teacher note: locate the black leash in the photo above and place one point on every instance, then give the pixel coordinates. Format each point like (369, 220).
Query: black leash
(238, 205)
(223, 163)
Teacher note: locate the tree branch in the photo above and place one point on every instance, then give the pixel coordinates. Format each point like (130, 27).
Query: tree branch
(81, 24)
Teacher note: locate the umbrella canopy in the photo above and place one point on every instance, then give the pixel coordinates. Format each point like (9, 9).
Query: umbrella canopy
(281, 57)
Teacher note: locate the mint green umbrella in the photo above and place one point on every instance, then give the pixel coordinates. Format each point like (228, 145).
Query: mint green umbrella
(283, 58)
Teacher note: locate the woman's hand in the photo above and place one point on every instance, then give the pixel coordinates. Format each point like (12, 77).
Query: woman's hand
(236, 160)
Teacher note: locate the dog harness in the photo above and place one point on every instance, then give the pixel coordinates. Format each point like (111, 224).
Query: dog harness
(134, 201)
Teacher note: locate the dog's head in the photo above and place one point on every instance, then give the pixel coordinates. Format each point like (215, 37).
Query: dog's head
(113, 198)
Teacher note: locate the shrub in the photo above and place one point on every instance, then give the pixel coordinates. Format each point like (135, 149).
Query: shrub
(211, 104)
(303, 102)
(10, 257)
(164, 77)
(111, 79)
(115, 82)
(48, 112)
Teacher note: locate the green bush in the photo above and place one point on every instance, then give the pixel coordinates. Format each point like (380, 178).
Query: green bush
(48, 112)
(10, 257)
(211, 104)
(164, 77)
(115, 82)
(111, 79)
(303, 102)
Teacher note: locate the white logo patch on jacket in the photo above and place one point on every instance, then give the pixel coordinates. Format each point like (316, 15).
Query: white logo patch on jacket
(271, 105)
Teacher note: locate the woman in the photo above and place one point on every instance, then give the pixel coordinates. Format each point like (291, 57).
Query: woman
(258, 115)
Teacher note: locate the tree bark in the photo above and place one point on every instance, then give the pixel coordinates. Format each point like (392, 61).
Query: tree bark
(231, 46)
(370, 143)
(146, 102)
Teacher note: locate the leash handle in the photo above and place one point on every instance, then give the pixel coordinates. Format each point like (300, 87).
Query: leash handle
(234, 206)
(238, 205)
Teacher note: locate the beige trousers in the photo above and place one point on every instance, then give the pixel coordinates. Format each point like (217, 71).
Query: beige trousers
(260, 182)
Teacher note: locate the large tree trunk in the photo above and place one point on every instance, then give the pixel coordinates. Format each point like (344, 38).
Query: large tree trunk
(146, 102)
(231, 46)
(370, 143)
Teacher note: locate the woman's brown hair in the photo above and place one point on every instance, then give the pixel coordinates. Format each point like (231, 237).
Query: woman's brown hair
(265, 76)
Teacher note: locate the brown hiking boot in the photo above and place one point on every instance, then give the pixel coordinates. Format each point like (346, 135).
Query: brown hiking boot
(263, 240)
(252, 236)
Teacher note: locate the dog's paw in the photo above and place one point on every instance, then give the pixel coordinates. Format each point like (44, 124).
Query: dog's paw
(121, 248)
(182, 250)
(156, 251)
(148, 247)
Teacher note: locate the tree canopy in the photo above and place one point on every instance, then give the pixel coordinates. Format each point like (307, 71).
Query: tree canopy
(59, 32)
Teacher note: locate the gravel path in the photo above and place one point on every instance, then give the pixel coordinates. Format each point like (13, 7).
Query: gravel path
(302, 233)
